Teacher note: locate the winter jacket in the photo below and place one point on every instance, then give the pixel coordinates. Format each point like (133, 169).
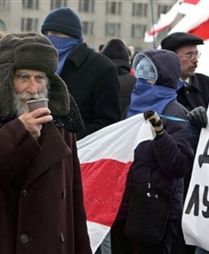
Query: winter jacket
(40, 192)
(164, 162)
(196, 93)
(92, 81)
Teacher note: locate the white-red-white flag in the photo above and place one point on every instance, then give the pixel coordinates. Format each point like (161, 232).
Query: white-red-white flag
(195, 12)
(165, 21)
(105, 158)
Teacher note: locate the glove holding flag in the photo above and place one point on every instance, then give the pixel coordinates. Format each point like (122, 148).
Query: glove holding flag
(155, 121)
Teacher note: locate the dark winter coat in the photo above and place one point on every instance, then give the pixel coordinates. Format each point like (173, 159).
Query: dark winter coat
(41, 203)
(127, 82)
(168, 159)
(196, 93)
(92, 80)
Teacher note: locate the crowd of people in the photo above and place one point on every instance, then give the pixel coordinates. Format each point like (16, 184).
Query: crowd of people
(41, 194)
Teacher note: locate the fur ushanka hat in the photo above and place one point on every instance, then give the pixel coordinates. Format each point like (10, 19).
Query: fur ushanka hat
(30, 51)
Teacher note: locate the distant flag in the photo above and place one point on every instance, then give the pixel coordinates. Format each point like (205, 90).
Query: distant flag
(163, 23)
(105, 158)
(195, 21)
(195, 14)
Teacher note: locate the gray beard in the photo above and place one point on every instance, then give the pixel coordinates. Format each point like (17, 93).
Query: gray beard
(21, 99)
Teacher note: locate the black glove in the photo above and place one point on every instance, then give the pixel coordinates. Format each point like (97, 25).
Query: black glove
(155, 121)
(198, 117)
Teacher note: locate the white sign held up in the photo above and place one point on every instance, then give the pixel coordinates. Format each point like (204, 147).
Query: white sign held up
(195, 219)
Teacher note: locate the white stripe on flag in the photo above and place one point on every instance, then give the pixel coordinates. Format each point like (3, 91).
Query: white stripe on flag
(116, 141)
(97, 234)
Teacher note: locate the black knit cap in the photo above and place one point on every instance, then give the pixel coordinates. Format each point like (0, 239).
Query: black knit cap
(116, 49)
(63, 20)
(177, 40)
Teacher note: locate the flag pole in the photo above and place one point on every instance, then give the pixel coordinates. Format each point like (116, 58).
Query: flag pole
(152, 22)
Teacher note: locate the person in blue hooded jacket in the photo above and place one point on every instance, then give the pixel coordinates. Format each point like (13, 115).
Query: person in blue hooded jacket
(167, 158)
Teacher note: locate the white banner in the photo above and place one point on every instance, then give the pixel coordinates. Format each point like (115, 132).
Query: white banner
(195, 219)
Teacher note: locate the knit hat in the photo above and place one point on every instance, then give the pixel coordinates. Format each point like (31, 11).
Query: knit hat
(177, 40)
(115, 49)
(144, 68)
(30, 51)
(63, 20)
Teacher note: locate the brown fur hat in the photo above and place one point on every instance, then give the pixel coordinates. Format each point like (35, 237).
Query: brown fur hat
(30, 51)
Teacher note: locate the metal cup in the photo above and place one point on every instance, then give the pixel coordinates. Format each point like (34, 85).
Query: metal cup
(40, 103)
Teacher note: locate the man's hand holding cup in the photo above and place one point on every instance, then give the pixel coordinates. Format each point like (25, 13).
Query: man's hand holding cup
(38, 115)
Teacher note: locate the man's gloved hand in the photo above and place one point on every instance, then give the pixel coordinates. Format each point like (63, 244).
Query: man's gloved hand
(155, 121)
(198, 117)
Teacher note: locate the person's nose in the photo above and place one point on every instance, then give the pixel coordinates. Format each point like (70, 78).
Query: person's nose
(195, 60)
(32, 86)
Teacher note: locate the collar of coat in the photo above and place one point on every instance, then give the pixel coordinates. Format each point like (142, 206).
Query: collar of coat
(79, 54)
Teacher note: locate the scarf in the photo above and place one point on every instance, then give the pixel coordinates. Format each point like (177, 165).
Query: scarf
(64, 46)
(146, 97)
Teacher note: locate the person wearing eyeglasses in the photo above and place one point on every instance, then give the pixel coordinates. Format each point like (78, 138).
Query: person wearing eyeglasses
(195, 91)
(193, 95)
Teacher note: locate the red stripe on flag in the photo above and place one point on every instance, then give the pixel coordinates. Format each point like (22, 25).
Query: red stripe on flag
(202, 30)
(191, 1)
(157, 30)
(103, 186)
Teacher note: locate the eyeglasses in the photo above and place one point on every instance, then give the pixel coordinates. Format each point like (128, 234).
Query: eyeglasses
(191, 55)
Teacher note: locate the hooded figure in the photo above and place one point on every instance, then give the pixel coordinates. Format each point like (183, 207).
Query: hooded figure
(161, 163)
(41, 194)
(117, 51)
(157, 73)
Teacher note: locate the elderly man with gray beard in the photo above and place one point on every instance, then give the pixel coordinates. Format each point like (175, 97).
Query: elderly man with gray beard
(41, 196)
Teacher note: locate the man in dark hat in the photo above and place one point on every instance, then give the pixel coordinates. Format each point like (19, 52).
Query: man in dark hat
(90, 77)
(41, 199)
(194, 95)
(195, 91)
